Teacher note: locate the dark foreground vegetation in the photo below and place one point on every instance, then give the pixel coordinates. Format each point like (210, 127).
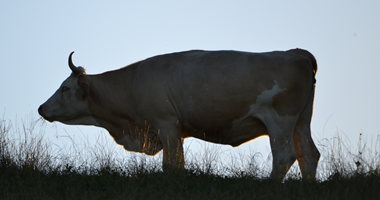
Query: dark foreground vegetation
(29, 170)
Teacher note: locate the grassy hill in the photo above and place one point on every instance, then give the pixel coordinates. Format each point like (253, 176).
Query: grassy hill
(30, 170)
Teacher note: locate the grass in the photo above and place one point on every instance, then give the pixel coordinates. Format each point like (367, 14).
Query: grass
(31, 169)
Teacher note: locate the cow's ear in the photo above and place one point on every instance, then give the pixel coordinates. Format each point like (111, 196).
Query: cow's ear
(82, 92)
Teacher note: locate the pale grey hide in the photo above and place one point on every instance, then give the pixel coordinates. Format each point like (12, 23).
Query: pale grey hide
(224, 97)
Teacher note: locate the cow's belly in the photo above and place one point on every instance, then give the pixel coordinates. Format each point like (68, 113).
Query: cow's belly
(245, 130)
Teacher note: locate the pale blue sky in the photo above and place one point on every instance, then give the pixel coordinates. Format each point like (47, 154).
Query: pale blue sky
(36, 38)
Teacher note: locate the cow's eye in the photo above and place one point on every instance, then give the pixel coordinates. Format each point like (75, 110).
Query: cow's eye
(65, 89)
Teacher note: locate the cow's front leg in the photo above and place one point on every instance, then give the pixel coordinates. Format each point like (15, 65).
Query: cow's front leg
(173, 155)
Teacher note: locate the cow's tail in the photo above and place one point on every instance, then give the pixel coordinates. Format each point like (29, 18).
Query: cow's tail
(308, 55)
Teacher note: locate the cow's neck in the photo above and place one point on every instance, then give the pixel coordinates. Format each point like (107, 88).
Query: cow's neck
(110, 101)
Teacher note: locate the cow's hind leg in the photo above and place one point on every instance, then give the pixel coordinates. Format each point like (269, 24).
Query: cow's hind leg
(283, 151)
(307, 153)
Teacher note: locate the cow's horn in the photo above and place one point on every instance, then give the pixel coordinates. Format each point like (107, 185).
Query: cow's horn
(73, 68)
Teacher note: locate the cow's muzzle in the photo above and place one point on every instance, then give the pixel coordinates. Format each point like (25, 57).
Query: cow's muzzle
(41, 112)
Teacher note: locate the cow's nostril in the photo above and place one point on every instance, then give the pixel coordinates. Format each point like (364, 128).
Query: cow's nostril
(40, 110)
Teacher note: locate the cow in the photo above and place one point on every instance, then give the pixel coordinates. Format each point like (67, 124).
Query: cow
(223, 97)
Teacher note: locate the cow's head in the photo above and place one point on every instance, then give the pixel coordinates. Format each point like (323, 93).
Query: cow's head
(69, 103)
